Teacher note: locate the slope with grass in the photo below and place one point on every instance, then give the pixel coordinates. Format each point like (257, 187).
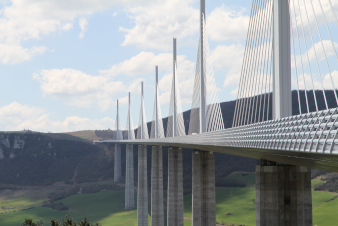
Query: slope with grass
(233, 205)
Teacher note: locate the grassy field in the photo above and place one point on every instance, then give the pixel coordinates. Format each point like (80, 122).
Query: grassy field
(108, 207)
(104, 207)
(85, 134)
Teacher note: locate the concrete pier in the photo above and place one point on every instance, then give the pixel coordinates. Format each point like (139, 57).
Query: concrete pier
(283, 195)
(142, 191)
(203, 188)
(129, 189)
(157, 212)
(117, 162)
(175, 207)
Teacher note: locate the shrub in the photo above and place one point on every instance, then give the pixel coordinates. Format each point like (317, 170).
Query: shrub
(57, 206)
(65, 222)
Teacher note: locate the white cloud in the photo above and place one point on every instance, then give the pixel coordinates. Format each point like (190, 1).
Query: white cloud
(229, 58)
(16, 116)
(225, 23)
(135, 86)
(141, 64)
(79, 89)
(67, 26)
(123, 100)
(33, 19)
(308, 12)
(185, 77)
(316, 52)
(83, 25)
(144, 63)
(156, 24)
(317, 84)
(13, 54)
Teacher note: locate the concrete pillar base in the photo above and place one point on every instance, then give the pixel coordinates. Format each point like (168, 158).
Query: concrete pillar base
(157, 212)
(117, 162)
(129, 191)
(142, 191)
(175, 206)
(283, 195)
(203, 188)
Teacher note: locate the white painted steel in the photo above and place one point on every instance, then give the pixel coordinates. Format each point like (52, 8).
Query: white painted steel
(157, 130)
(175, 125)
(119, 135)
(142, 130)
(202, 113)
(130, 127)
(313, 132)
(282, 105)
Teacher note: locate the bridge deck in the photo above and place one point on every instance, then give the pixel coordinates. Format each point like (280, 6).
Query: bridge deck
(307, 140)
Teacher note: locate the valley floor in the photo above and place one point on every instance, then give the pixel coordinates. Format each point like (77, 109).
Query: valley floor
(233, 206)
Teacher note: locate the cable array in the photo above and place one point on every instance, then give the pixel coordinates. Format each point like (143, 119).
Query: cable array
(118, 129)
(314, 58)
(142, 130)
(157, 123)
(313, 52)
(253, 99)
(175, 126)
(130, 126)
(214, 118)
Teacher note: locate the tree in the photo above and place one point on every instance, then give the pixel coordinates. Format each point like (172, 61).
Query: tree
(29, 222)
(65, 222)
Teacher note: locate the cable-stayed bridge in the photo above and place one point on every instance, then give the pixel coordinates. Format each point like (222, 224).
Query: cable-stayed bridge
(290, 45)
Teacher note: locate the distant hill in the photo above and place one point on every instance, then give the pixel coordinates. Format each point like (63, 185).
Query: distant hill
(32, 158)
(228, 109)
(44, 158)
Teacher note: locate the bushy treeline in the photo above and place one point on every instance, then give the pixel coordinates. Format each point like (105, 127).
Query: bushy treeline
(56, 206)
(65, 222)
(331, 183)
(316, 172)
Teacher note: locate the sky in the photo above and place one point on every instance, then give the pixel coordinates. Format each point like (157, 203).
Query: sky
(64, 64)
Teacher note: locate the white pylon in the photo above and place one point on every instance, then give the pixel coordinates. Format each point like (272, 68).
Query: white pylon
(157, 123)
(142, 130)
(175, 126)
(130, 126)
(282, 104)
(206, 114)
(119, 135)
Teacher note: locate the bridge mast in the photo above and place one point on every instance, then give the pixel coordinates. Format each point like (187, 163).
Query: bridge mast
(117, 120)
(156, 110)
(129, 183)
(174, 87)
(288, 201)
(117, 152)
(281, 60)
(202, 113)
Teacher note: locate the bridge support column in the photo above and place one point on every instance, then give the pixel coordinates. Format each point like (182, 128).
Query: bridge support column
(157, 212)
(142, 191)
(175, 207)
(203, 188)
(283, 195)
(129, 192)
(117, 162)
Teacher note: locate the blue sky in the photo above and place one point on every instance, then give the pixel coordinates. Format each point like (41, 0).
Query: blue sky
(64, 63)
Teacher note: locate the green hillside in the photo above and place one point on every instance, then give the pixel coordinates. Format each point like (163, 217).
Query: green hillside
(233, 205)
